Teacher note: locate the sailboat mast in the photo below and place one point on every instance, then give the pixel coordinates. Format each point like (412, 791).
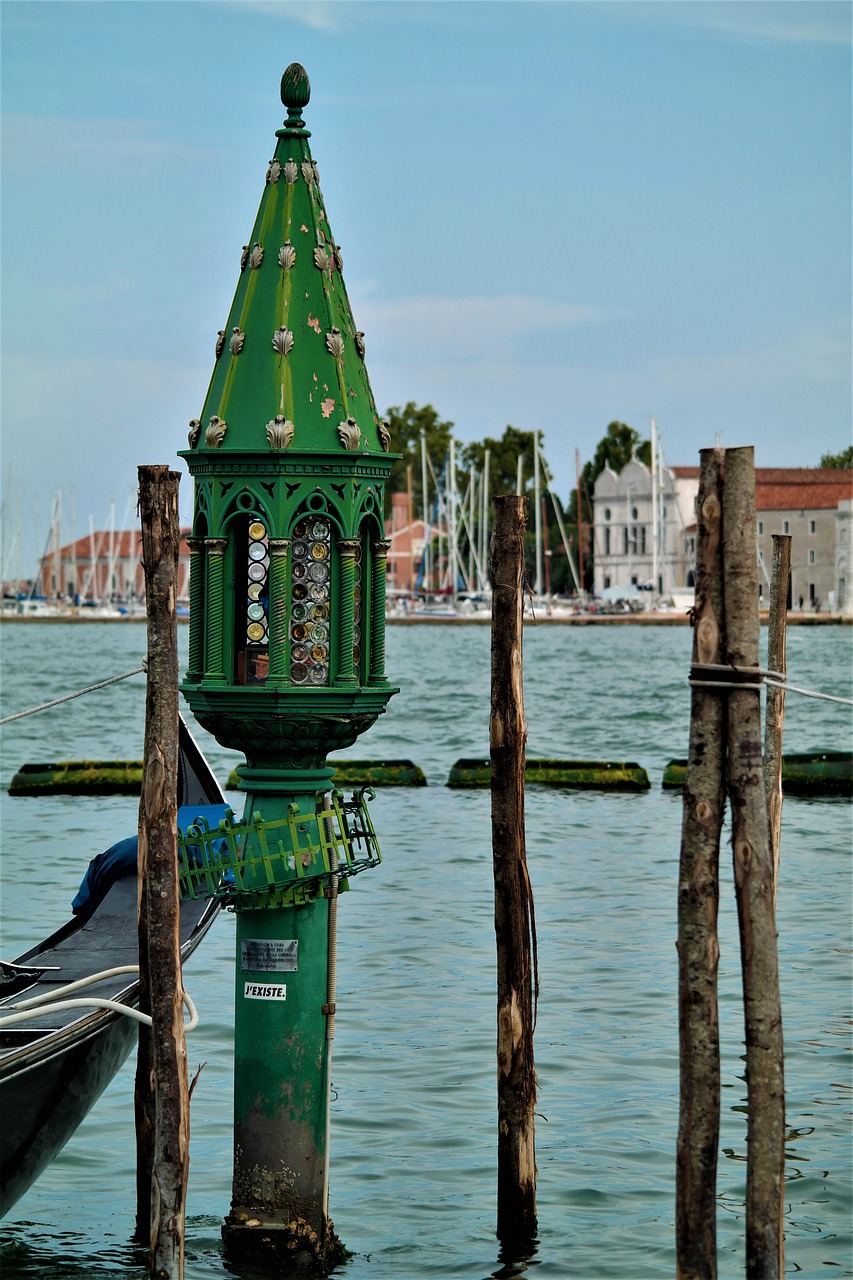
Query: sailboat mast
(580, 516)
(451, 531)
(410, 519)
(655, 513)
(74, 592)
(537, 509)
(566, 544)
(484, 558)
(424, 494)
(545, 550)
(57, 545)
(90, 576)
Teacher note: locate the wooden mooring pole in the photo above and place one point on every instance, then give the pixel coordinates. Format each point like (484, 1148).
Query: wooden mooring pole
(725, 743)
(698, 899)
(774, 713)
(515, 932)
(162, 1101)
(753, 870)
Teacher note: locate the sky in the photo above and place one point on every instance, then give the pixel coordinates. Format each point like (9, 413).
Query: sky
(552, 215)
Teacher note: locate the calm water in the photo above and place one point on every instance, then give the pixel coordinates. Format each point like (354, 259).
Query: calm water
(413, 1138)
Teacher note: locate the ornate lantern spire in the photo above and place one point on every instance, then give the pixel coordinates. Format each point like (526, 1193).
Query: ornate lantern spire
(290, 372)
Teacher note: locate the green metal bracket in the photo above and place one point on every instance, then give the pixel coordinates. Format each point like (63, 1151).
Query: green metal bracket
(286, 861)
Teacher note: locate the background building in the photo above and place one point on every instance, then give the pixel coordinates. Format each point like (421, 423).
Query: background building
(406, 536)
(103, 568)
(643, 537)
(804, 502)
(649, 539)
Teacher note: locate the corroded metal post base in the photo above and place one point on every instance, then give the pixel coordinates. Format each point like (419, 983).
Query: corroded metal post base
(292, 1249)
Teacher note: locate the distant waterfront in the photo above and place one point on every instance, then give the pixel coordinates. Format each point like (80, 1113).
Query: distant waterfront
(477, 620)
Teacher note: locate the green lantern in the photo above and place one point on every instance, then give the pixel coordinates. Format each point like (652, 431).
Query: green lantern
(286, 664)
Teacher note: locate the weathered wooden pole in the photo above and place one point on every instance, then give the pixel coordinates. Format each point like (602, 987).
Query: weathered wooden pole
(753, 871)
(698, 899)
(774, 706)
(165, 1138)
(514, 920)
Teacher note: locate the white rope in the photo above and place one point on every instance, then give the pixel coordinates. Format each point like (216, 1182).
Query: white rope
(61, 992)
(95, 1002)
(808, 693)
(19, 715)
(51, 1001)
(753, 678)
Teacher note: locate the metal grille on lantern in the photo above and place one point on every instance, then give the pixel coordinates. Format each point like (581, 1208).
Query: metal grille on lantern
(310, 553)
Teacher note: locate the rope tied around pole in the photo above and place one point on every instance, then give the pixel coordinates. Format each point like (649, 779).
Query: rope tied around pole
(102, 684)
(709, 675)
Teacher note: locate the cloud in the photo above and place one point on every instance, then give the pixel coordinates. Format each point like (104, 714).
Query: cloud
(329, 16)
(757, 22)
(459, 329)
(820, 360)
(106, 148)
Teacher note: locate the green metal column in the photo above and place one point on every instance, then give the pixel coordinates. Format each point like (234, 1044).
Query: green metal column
(195, 665)
(278, 611)
(214, 603)
(281, 1083)
(377, 612)
(347, 548)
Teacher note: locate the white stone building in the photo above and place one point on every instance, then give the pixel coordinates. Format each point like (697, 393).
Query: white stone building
(645, 538)
(813, 505)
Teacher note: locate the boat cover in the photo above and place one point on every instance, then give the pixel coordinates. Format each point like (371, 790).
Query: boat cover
(120, 859)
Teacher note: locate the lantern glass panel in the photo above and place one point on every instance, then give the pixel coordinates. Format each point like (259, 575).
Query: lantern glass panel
(309, 609)
(251, 542)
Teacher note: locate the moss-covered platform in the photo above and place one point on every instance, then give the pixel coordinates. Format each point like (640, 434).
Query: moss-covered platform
(807, 773)
(582, 775)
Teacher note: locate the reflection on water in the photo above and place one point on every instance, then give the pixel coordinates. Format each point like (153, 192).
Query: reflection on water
(413, 1122)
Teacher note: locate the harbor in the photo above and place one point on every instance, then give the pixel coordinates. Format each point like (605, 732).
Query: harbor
(413, 1104)
(374, 647)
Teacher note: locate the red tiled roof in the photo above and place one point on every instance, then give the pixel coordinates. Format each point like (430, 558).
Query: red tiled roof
(126, 545)
(793, 488)
(800, 488)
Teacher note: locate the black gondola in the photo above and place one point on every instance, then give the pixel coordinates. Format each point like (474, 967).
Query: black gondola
(54, 1065)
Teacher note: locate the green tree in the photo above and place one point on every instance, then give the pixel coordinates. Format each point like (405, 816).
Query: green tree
(504, 455)
(503, 461)
(841, 460)
(406, 426)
